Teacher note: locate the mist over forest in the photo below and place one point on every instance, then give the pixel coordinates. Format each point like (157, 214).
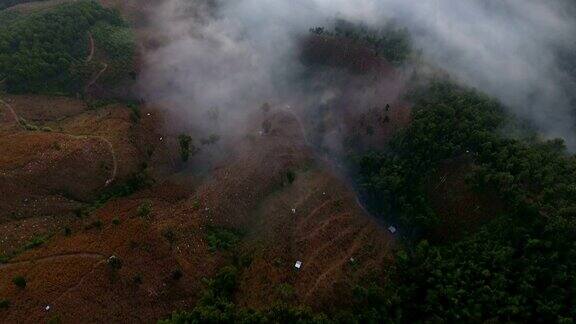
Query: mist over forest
(287, 161)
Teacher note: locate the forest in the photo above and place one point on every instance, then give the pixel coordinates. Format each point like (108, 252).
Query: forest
(9, 3)
(517, 267)
(46, 51)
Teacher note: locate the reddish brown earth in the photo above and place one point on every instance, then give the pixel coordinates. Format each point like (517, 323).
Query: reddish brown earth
(76, 154)
(248, 192)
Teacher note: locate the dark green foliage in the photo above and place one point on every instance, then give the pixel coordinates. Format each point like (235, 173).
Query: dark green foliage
(221, 238)
(35, 242)
(186, 147)
(114, 263)
(447, 122)
(9, 3)
(290, 176)
(391, 42)
(136, 114)
(4, 303)
(136, 182)
(118, 42)
(137, 279)
(216, 307)
(116, 221)
(67, 231)
(54, 319)
(176, 274)
(145, 208)
(45, 52)
(19, 281)
(521, 266)
(286, 291)
(169, 235)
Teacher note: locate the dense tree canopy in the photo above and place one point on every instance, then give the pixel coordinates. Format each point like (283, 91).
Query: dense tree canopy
(519, 267)
(45, 52)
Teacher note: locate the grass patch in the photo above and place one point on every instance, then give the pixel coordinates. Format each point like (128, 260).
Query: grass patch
(222, 238)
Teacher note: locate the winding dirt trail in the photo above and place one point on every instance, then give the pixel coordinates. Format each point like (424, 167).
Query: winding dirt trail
(97, 76)
(91, 44)
(114, 171)
(12, 112)
(89, 59)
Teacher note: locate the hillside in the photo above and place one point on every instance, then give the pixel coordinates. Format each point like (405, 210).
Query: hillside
(355, 182)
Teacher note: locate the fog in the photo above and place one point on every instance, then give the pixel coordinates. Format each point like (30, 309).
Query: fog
(235, 55)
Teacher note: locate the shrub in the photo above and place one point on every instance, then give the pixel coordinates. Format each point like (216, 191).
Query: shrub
(137, 279)
(221, 238)
(177, 274)
(35, 242)
(145, 208)
(19, 281)
(169, 235)
(114, 262)
(116, 221)
(290, 176)
(4, 303)
(187, 148)
(286, 291)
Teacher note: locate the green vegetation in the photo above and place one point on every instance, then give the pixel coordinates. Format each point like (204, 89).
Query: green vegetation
(145, 208)
(9, 3)
(290, 176)
(137, 181)
(521, 266)
(137, 279)
(118, 42)
(19, 282)
(169, 235)
(286, 291)
(187, 148)
(391, 42)
(216, 306)
(115, 263)
(34, 242)
(97, 224)
(4, 303)
(176, 274)
(447, 122)
(221, 238)
(45, 51)
(54, 319)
